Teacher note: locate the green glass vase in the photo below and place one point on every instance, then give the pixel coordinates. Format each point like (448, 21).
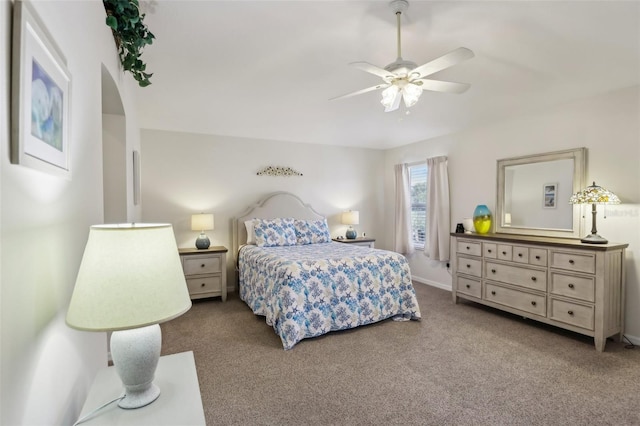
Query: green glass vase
(482, 219)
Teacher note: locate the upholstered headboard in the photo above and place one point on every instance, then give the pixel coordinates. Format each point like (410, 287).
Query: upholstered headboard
(274, 205)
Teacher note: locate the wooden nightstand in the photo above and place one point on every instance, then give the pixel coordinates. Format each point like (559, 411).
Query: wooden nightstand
(205, 271)
(362, 241)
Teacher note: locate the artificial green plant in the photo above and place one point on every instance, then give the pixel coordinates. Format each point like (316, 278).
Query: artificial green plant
(131, 35)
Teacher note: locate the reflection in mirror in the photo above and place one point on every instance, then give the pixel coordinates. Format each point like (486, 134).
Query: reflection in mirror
(533, 194)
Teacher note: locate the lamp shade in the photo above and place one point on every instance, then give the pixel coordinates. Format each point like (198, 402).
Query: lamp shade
(594, 194)
(352, 217)
(202, 222)
(130, 277)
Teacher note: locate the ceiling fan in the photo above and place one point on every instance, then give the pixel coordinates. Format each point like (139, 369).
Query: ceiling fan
(404, 79)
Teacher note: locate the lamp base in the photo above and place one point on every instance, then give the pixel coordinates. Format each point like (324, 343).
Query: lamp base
(351, 234)
(594, 239)
(135, 356)
(202, 242)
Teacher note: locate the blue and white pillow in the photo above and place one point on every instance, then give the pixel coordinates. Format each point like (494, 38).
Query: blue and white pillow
(312, 231)
(275, 232)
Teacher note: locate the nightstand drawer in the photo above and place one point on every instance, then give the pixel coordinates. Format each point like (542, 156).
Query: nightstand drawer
(198, 265)
(210, 284)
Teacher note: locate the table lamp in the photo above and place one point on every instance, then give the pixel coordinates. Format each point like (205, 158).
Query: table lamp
(202, 222)
(352, 217)
(593, 195)
(129, 281)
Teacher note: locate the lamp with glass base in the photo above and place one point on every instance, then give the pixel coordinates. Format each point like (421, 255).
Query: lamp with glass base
(202, 222)
(352, 217)
(129, 281)
(593, 195)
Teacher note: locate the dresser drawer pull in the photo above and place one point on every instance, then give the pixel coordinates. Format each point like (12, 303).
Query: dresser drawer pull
(202, 285)
(504, 253)
(202, 266)
(488, 250)
(571, 285)
(533, 302)
(493, 293)
(493, 271)
(468, 286)
(534, 279)
(468, 248)
(519, 254)
(468, 266)
(571, 261)
(570, 312)
(537, 257)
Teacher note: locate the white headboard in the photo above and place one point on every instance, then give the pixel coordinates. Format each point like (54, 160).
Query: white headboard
(272, 206)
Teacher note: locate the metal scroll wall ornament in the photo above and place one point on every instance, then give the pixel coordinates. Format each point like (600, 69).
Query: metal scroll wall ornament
(278, 171)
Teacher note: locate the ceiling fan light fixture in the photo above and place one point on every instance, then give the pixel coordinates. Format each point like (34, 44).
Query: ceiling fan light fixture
(389, 95)
(410, 94)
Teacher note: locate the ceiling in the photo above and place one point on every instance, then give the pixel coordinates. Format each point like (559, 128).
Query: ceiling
(267, 69)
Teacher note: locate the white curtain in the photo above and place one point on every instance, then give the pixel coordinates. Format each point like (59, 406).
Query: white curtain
(438, 222)
(403, 242)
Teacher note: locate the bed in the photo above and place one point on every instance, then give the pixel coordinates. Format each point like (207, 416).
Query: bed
(306, 285)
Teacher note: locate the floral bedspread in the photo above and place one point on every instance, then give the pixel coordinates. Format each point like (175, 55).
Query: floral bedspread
(308, 290)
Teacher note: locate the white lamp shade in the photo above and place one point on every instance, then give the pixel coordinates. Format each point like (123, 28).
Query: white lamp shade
(352, 217)
(130, 277)
(202, 222)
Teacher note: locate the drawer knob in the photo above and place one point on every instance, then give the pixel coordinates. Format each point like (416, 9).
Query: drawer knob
(570, 312)
(504, 253)
(202, 285)
(468, 286)
(519, 254)
(488, 250)
(571, 261)
(202, 266)
(493, 293)
(571, 285)
(468, 248)
(534, 279)
(537, 257)
(493, 271)
(533, 302)
(468, 266)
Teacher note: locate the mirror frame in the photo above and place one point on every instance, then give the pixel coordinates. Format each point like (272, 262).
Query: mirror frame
(579, 156)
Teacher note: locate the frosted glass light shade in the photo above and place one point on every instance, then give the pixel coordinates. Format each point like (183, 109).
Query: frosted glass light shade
(130, 277)
(410, 94)
(202, 222)
(352, 217)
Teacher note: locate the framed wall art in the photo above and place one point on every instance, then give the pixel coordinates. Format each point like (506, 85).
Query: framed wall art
(41, 93)
(549, 192)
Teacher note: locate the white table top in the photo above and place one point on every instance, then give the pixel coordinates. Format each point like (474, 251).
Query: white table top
(179, 402)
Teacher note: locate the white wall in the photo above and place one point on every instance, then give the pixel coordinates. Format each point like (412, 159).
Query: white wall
(608, 126)
(185, 173)
(46, 366)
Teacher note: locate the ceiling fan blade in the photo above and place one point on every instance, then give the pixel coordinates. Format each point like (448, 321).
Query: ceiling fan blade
(396, 102)
(442, 86)
(359, 92)
(445, 61)
(372, 69)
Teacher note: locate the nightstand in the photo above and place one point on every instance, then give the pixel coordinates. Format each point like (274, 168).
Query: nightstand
(362, 241)
(205, 271)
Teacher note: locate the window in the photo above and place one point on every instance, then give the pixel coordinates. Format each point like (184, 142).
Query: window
(418, 182)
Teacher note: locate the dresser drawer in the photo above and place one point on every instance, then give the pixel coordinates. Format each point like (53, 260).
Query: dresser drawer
(469, 286)
(204, 284)
(537, 257)
(579, 262)
(571, 313)
(469, 266)
(521, 300)
(573, 286)
(198, 265)
(490, 250)
(517, 275)
(504, 251)
(469, 247)
(520, 254)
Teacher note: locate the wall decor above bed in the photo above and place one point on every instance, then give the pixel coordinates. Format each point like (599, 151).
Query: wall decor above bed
(278, 171)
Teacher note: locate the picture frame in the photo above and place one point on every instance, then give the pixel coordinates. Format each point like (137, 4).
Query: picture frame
(40, 97)
(136, 178)
(549, 192)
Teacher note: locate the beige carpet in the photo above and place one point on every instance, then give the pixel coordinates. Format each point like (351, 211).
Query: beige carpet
(462, 364)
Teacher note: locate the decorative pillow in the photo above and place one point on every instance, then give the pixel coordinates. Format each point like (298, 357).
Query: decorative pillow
(276, 232)
(312, 231)
(251, 236)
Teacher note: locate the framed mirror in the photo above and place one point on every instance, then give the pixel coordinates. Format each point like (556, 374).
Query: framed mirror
(533, 194)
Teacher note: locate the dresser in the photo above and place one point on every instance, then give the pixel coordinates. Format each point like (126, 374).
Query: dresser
(205, 271)
(562, 282)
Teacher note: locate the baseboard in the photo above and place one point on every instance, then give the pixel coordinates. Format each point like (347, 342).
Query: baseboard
(431, 283)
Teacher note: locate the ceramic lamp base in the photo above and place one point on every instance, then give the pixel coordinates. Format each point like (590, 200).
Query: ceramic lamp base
(351, 234)
(202, 242)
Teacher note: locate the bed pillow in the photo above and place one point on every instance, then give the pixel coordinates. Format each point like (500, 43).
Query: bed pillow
(251, 236)
(312, 231)
(276, 232)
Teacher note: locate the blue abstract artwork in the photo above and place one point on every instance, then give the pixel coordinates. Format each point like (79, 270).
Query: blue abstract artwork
(46, 108)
